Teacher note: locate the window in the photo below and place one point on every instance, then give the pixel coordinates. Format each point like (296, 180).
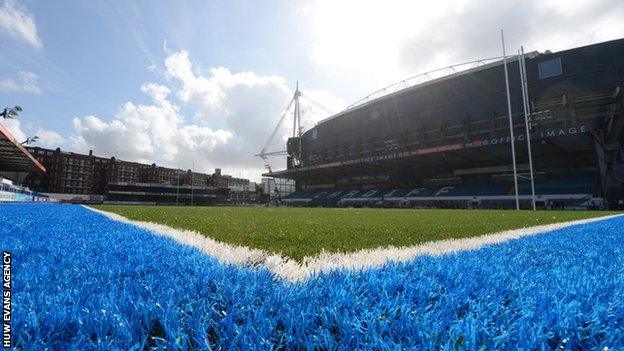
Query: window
(550, 68)
(314, 133)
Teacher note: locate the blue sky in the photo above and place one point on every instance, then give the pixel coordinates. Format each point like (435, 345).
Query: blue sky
(204, 82)
(96, 55)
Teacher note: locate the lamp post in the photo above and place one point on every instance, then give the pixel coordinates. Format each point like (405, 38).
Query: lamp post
(30, 140)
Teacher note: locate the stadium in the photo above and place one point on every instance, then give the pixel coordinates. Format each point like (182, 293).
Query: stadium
(101, 253)
(446, 142)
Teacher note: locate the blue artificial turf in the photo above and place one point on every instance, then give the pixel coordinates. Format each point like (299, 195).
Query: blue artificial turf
(83, 281)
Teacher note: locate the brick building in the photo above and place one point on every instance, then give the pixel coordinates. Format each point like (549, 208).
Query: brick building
(217, 180)
(196, 179)
(68, 172)
(157, 174)
(73, 173)
(125, 172)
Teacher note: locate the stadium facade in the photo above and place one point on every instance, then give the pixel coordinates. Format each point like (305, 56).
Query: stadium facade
(446, 142)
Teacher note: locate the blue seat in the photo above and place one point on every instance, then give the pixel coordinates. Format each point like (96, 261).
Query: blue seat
(582, 183)
(408, 192)
(475, 189)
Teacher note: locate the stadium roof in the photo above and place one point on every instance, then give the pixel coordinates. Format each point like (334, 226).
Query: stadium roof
(14, 157)
(428, 78)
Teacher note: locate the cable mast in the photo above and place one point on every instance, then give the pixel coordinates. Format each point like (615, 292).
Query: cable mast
(294, 151)
(297, 129)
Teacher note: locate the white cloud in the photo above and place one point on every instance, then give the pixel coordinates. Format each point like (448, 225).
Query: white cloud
(19, 24)
(49, 139)
(26, 82)
(538, 25)
(374, 43)
(362, 37)
(233, 114)
(246, 104)
(314, 114)
(14, 127)
(149, 133)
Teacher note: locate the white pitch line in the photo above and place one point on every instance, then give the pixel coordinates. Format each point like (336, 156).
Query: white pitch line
(293, 271)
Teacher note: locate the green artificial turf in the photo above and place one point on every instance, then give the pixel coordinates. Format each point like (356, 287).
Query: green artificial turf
(300, 232)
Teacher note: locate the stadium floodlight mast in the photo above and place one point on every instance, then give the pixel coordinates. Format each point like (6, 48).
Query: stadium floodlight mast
(30, 140)
(527, 118)
(10, 112)
(511, 132)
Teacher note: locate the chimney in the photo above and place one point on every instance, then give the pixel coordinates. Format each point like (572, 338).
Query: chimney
(90, 152)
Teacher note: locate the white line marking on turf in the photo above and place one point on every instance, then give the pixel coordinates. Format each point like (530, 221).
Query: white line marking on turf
(294, 271)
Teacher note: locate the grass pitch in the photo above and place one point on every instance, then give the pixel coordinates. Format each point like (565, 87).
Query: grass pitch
(300, 232)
